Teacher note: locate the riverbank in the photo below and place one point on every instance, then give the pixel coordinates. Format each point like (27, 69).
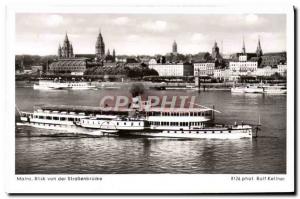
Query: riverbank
(146, 84)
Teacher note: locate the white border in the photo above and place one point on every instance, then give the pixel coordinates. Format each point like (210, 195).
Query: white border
(140, 183)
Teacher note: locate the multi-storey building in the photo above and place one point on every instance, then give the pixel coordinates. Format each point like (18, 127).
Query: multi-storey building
(68, 65)
(204, 69)
(266, 71)
(282, 69)
(178, 69)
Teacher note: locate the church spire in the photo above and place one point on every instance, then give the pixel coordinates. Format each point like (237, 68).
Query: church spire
(59, 51)
(174, 47)
(66, 37)
(243, 48)
(259, 51)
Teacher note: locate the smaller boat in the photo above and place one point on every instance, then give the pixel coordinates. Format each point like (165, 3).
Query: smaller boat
(247, 89)
(238, 90)
(275, 89)
(254, 89)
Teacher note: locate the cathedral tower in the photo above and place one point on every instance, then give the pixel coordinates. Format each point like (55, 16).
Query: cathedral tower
(100, 47)
(259, 51)
(215, 51)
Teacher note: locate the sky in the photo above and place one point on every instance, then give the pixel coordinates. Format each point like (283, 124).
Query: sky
(136, 34)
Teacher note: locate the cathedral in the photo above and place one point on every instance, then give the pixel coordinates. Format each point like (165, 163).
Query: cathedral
(66, 51)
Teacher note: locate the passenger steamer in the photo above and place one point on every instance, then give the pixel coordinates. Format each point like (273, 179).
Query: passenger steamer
(57, 84)
(149, 122)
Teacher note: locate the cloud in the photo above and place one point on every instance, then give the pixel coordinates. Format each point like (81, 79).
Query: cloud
(132, 37)
(197, 37)
(54, 20)
(155, 26)
(121, 20)
(251, 18)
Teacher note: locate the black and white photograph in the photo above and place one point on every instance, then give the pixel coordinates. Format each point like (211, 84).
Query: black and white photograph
(117, 93)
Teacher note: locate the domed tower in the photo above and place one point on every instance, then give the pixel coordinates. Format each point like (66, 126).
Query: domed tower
(174, 47)
(259, 51)
(100, 47)
(215, 51)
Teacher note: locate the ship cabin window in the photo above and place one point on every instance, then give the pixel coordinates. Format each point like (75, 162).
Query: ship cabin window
(41, 117)
(71, 119)
(117, 123)
(124, 123)
(180, 123)
(62, 119)
(131, 123)
(55, 118)
(48, 117)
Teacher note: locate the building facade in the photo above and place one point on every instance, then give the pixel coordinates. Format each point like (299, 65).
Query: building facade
(266, 71)
(282, 69)
(204, 69)
(179, 69)
(247, 68)
(221, 73)
(68, 66)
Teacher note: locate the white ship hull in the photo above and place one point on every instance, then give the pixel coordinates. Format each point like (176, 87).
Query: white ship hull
(65, 129)
(237, 90)
(45, 87)
(275, 91)
(254, 90)
(238, 132)
(50, 85)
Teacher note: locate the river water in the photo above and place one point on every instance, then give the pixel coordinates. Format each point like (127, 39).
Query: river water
(124, 155)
